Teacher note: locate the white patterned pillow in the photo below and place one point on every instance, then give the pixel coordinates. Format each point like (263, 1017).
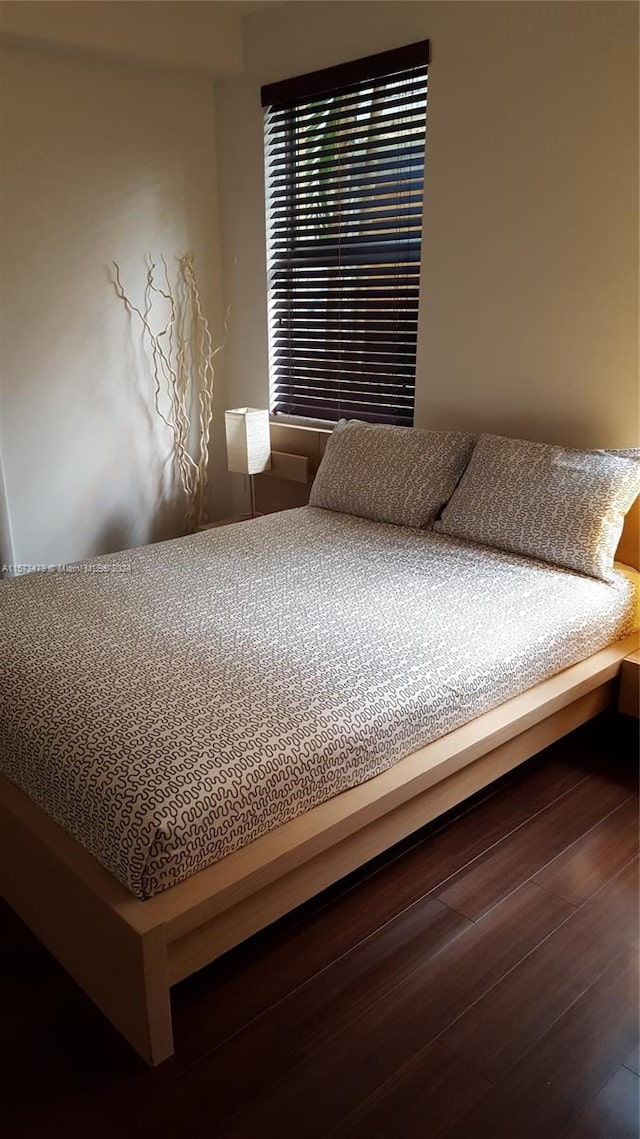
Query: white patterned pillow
(556, 505)
(400, 475)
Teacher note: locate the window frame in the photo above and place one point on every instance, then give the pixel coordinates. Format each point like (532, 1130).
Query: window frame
(343, 359)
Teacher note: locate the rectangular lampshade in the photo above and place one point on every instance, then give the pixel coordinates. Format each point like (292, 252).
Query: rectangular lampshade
(248, 440)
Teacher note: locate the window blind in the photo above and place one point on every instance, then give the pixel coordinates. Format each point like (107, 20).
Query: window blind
(344, 154)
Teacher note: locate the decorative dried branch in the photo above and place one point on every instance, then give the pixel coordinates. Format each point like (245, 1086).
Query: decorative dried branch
(182, 355)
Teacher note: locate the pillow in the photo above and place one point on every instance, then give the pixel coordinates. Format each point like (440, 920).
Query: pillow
(550, 503)
(400, 475)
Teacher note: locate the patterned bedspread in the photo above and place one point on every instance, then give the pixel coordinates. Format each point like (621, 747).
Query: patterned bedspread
(170, 704)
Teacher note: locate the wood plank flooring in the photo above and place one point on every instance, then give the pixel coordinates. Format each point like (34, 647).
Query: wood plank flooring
(480, 980)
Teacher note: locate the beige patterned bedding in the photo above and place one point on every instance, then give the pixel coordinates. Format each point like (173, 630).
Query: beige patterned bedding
(170, 704)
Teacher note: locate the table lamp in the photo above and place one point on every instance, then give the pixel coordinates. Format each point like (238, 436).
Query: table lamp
(248, 443)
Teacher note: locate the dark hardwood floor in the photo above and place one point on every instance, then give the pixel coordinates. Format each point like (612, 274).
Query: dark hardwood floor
(480, 980)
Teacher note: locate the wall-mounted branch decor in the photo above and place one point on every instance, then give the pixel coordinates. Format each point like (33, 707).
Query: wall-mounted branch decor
(182, 355)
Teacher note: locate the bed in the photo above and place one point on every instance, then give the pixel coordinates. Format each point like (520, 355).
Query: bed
(199, 735)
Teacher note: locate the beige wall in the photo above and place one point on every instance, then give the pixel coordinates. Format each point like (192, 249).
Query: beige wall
(100, 162)
(528, 318)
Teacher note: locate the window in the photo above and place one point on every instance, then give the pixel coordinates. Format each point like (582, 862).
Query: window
(344, 153)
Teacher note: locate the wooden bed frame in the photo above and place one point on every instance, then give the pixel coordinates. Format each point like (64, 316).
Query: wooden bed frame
(126, 954)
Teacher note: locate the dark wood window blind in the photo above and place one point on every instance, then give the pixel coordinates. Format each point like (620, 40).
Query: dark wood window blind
(344, 152)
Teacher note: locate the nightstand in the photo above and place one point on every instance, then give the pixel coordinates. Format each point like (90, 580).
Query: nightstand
(629, 692)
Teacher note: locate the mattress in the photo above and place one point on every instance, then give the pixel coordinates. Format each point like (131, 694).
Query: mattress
(170, 704)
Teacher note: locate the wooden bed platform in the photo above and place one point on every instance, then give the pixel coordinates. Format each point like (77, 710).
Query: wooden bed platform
(126, 954)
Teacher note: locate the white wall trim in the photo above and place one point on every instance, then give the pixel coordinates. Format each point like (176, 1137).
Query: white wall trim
(6, 536)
